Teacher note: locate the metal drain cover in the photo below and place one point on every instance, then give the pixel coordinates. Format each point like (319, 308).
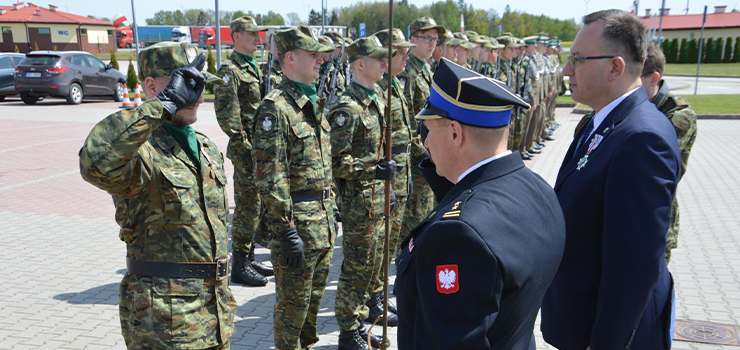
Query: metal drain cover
(706, 332)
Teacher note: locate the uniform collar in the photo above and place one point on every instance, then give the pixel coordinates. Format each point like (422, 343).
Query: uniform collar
(662, 96)
(361, 95)
(295, 93)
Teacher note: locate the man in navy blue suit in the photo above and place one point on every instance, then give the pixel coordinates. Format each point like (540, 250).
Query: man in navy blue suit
(612, 289)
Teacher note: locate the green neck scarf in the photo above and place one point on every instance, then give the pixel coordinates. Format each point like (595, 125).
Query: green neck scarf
(249, 60)
(423, 63)
(370, 92)
(309, 91)
(185, 137)
(393, 80)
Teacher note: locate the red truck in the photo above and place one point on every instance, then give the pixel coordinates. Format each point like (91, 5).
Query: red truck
(124, 37)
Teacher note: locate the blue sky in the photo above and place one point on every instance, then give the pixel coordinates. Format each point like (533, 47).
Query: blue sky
(558, 9)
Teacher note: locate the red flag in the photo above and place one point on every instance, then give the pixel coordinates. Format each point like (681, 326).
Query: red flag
(118, 19)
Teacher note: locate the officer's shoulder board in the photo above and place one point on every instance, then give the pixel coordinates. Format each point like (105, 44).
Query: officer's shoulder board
(273, 95)
(455, 208)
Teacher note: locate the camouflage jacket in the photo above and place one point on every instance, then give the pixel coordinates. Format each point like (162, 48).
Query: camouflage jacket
(416, 81)
(235, 102)
(168, 211)
(276, 74)
(505, 72)
(401, 134)
(292, 153)
(357, 130)
(680, 113)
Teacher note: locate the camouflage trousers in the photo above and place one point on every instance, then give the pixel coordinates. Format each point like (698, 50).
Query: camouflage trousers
(396, 222)
(420, 203)
(169, 313)
(361, 263)
(298, 295)
(247, 207)
(671, 237)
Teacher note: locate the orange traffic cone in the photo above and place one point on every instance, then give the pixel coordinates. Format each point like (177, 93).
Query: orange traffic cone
(137, 97)
(126, 101)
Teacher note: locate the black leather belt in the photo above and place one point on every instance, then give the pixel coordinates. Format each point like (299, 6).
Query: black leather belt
(308, 196)
(401, 149)
(218, 269)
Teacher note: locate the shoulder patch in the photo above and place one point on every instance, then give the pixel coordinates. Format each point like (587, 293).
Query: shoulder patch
(273, 95)
(267, 123)
(681, 101)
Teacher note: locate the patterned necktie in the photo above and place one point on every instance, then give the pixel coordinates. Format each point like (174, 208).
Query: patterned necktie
(586, 132)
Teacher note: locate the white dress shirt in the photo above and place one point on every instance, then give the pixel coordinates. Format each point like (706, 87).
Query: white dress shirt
(482, 163)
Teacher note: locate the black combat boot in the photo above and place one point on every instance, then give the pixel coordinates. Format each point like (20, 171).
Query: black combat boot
(243, 272)
(391, 305)
(375, 340)
(259, 266)
(376, 309)
(351, 340)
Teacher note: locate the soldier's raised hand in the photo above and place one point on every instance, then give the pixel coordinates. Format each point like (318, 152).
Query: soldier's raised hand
(185, 86)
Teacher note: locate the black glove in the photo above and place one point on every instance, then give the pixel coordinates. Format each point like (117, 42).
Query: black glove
(185, 86)
(385, 169)
(291, 246)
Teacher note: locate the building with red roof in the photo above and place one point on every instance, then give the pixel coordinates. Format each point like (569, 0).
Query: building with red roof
(719, 24)
(27, 26)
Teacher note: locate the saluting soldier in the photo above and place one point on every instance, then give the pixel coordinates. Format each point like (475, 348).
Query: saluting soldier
(416, 81)
(169, 188)
(359, 168)
(292, 155)
(235, 102)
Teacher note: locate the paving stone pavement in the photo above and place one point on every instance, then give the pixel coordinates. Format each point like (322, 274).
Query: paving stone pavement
(62, 260)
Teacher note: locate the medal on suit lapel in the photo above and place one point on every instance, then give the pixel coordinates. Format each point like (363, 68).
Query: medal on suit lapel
(591, 147)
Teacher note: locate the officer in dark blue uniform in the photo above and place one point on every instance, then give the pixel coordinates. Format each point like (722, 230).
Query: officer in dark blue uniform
(473, 273)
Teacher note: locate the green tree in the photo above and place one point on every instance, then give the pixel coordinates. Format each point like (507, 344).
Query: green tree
(113, 59)
(717, 54)
(683, 53)
(273, 19)
(707, 52)
(131, 78)
(674, 51)
(314, 18)
(211, 62)
(693, 51)
(161, 17)
(727, 57)
(736, 51)
(198, 17)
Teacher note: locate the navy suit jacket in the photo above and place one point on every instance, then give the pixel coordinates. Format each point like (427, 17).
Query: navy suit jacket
(503, 256)
(613, 289)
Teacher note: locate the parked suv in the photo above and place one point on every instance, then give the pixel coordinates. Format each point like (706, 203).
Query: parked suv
(8, 61)
(71, 74)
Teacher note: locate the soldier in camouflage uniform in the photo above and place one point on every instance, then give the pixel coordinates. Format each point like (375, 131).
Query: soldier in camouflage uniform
(401, 139)
(339, 40)
(235, 103)
(680, 113)
(491, 67)
(169, 188)
(276, 73)
(448, 49)
(416, 81)
(466, 52)
(292, 157)
(359, 168)
(532, 94)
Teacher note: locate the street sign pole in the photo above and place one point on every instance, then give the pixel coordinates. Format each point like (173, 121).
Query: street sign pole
(701, 46)
(218, 38)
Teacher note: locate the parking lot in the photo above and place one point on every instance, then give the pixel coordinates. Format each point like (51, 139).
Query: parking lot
(62, 259)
